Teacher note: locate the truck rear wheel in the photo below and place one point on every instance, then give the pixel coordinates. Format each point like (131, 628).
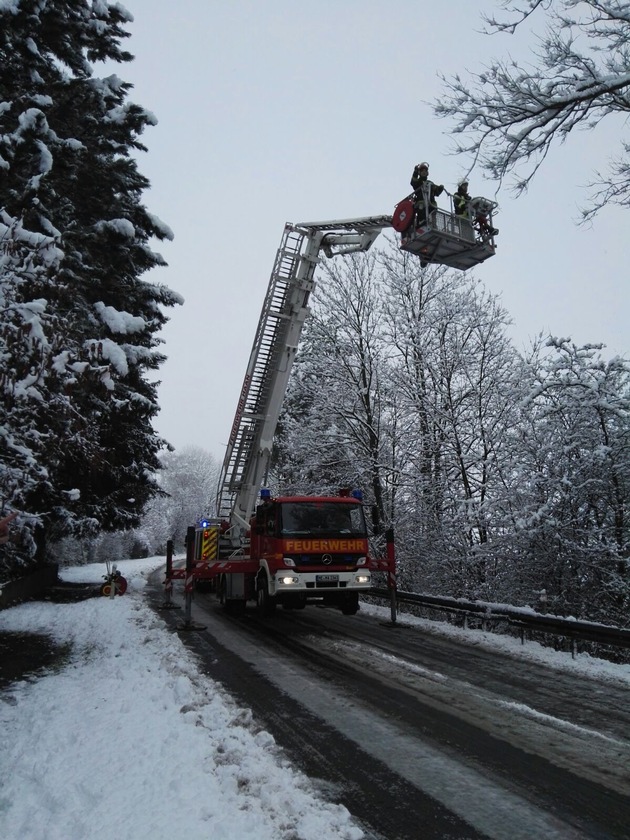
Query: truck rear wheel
(265, 603)
(234, 606)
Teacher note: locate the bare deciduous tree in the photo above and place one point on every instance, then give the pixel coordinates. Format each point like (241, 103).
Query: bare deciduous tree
(452, 366)
(337, 423)
(189, 480)
(509, 115)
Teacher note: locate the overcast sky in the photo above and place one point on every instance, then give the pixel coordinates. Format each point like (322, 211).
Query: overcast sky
(276, 111)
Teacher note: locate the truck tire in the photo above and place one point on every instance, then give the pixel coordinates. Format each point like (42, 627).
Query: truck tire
(350, 606)
(265, 603)
(221, 590)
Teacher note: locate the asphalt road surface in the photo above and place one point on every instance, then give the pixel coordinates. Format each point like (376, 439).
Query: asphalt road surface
(422, 737)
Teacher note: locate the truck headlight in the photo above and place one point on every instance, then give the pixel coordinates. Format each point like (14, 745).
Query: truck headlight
(363, 578)
(288, 580)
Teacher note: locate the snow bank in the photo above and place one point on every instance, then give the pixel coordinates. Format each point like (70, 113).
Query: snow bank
(128, 740)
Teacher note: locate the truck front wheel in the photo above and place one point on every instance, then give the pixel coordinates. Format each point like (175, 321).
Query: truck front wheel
(351, 605)
(265, 603)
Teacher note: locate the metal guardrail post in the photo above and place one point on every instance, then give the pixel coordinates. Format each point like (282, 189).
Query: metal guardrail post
(391, 571)
(526, 620)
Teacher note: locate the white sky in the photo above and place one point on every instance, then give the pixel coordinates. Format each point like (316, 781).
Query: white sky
(277, 111)
(129, 740)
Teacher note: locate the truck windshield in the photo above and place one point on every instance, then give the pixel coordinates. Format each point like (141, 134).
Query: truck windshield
(322, 518)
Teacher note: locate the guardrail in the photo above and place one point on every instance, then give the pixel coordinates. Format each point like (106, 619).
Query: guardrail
(523, 618)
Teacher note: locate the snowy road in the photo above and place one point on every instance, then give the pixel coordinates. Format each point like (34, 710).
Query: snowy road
(420, 736)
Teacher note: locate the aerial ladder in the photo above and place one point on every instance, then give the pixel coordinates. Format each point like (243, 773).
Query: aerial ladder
(445, 239)
(247, 556)
(284, 312)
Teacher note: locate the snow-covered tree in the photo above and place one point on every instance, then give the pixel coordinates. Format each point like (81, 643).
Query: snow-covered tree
(509, 114)
(452, 364)
(571, 483)
(331, 432)
(402, 387)
(78, 326)
(189, 479)
(502, 474)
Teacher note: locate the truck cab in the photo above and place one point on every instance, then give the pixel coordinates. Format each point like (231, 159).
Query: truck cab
(310, 549)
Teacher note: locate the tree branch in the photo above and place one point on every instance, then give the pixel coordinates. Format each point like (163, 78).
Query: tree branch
(510, 115)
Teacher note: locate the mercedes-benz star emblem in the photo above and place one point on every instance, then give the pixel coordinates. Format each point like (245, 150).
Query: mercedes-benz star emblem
(327, 559)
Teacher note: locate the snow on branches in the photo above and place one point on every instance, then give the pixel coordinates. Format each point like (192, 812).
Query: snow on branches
(509, 115)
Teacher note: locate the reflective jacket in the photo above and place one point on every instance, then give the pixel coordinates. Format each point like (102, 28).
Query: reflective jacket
(460, 203)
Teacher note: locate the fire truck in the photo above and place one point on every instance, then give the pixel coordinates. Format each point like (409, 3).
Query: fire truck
(284, 550)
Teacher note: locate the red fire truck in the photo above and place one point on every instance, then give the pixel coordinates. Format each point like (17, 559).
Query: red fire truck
(284, 550)
(292, 550)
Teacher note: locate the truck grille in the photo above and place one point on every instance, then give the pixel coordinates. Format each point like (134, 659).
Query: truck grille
(327, 585)
(318, 560)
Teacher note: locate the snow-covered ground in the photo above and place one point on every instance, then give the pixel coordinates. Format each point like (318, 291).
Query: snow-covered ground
(129, 741)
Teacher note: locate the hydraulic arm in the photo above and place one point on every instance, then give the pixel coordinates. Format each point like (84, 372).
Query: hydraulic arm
(284, 312)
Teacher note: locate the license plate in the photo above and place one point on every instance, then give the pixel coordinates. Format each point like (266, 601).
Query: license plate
(326, 578)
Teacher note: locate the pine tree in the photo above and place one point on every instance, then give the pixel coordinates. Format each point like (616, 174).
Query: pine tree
(78, 328)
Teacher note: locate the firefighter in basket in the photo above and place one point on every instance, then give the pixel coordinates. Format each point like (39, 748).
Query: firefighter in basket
(461, 200)
(480, 209)
(425, 193)
(476, 209)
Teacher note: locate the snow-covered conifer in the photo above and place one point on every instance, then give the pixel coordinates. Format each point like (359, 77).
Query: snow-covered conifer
(79, 325)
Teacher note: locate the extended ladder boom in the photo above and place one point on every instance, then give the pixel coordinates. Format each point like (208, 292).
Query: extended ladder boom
(284, 311)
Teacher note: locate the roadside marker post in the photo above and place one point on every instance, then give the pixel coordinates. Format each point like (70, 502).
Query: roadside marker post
(168, 580)
(189, 582)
